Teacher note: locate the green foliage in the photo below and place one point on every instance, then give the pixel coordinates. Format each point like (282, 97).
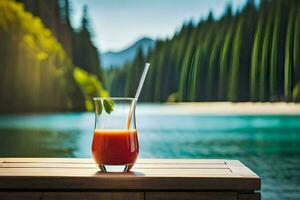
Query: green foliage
(36, 73)
(196, 74)
(296, 49)
(134, 74)
(85, 54)
(214, 67)
(225, 59)
(274, 55)
(55, 15)
(296, 93)
(90, 87)
(252, 55)
(183, 84)
(288, 65)
(235, 64)
(172, 98)
(264, 75)
(33, 66)
(255, 63)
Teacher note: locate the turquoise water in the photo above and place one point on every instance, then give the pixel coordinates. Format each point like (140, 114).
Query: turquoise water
(269, 145)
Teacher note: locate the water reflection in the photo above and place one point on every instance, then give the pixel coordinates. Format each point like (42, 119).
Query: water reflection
(38, 143)
(270, 145)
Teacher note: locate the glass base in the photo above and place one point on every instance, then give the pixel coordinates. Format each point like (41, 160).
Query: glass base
(115, 168)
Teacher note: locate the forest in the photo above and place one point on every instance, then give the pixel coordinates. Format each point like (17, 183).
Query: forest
(250, 55)
(46, 65)
(42, 67)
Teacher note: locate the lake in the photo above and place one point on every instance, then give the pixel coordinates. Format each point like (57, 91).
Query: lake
(268, 144)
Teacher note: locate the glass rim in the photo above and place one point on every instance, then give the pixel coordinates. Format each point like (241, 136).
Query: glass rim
(113, 98)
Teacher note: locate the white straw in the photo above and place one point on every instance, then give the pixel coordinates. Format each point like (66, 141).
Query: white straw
(139, 89)
(137, 94)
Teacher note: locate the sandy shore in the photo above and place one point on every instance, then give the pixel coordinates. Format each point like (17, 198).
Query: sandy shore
(235, 108)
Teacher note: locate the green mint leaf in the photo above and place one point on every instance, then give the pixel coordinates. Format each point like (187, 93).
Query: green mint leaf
(100, 108)
(108, 105)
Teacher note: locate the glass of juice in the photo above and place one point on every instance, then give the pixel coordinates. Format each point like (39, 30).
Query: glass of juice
(115, 144)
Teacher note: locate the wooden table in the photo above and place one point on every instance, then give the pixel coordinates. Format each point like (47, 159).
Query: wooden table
(150, 179)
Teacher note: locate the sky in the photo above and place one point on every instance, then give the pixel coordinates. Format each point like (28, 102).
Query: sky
(118, 23)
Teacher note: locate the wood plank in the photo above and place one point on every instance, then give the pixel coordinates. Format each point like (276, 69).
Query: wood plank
(47, 160)
(93, 172)
(238, 167)
(72, 195)
(170, 174)
(186, 161)
(253, 196)
(94, 166)
(20, 195)
(191, 195)
(48, 165)
(129, 183)
(90, 160)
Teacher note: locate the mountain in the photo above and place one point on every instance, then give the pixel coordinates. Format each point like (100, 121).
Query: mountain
(116, 59)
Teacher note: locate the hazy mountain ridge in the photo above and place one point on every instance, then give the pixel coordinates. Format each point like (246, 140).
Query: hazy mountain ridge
(116, 59)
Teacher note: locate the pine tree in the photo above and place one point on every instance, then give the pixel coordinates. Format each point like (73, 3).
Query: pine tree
(195, 74)
(134, 73)
(183, 84)
(225, 57)
(233, 93)
(264, 70)
(296, 48)
(255, 62)
(249, 56)
(274, 54)
(288, 65)
(214, 66)
(89, 60)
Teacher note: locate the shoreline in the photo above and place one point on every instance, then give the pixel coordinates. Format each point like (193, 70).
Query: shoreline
(197, 108)
(244, 108)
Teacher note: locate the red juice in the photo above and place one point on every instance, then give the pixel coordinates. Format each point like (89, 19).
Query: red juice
(115, 147)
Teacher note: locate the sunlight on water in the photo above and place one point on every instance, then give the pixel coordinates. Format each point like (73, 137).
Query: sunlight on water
(270, 145)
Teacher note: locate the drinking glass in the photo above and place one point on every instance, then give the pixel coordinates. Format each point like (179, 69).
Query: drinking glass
(115, 144)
